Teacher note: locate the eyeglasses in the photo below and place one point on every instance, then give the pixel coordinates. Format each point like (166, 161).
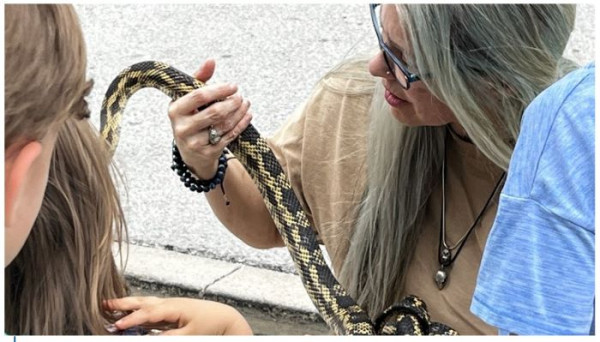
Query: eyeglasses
(399, 69)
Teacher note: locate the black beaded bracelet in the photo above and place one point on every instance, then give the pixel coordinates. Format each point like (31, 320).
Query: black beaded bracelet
(191, 182)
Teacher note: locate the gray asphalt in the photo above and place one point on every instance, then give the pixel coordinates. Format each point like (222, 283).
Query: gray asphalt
(275, 53)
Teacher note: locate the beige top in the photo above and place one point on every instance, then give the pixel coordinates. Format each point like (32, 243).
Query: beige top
(322, 148)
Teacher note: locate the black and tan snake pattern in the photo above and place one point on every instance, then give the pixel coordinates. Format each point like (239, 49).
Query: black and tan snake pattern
(338, 309)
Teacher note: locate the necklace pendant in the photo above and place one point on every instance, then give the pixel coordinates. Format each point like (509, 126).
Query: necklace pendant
(445, 257)
(440, 278)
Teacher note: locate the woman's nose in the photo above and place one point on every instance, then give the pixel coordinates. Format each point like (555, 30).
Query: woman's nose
(378, 67)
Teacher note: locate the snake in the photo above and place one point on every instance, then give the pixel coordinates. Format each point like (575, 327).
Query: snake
(337, 308)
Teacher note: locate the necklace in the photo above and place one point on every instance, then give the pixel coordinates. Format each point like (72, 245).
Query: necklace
(445, 256)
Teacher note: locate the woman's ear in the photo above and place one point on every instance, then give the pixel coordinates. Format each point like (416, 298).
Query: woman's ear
(18, 163)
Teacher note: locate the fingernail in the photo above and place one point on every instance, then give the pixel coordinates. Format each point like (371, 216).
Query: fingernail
(111, 328)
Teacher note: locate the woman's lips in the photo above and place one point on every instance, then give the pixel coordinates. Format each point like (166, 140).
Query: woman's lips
(394, 100)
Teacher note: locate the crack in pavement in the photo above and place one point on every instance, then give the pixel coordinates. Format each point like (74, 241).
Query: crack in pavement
(221, 278)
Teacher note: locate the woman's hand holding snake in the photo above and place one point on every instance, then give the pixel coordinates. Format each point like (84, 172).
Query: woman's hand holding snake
(206, 120)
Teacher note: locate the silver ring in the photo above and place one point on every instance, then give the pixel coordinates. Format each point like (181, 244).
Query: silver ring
(213, 136)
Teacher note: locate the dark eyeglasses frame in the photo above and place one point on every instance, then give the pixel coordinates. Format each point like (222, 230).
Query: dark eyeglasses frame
(409, 77)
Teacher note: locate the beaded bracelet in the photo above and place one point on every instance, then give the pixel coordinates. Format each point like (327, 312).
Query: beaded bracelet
(194, 184)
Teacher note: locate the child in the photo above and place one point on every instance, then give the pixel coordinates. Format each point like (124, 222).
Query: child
(537, 273)
(62, 210)
(34, 110)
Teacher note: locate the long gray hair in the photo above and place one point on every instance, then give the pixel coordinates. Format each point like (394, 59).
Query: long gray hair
(487, 62)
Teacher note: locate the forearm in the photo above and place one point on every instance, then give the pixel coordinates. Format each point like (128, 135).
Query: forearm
(246, 216)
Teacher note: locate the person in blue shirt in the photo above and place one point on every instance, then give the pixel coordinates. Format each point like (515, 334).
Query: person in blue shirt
(537, 273)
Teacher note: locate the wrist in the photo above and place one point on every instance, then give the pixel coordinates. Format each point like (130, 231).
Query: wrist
(194, 183)
(205, 173)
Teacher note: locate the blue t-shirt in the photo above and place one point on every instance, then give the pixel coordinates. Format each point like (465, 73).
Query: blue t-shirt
(537, 272)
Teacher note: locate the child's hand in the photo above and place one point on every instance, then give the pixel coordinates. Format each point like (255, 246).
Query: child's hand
(192, 316)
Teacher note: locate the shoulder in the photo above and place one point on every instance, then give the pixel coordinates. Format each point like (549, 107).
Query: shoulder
(350, 77)
(339, 103)
(346, 89)
(565, 97)
(553, 160)
(540, 253)
(571, 97)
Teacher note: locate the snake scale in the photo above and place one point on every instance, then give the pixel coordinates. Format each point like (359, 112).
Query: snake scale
(340, 311)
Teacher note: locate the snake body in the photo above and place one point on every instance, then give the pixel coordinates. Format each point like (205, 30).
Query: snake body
(339, 310)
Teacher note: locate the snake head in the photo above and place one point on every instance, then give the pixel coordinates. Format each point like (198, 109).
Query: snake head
(409, 317)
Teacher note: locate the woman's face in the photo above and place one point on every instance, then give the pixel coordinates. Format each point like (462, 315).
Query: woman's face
(415, 106)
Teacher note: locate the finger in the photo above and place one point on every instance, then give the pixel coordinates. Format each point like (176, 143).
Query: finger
(135, 318)
(206, 70)
(191, 132)
(217, 113)
(123, 304)
(188, 103)
(232, 119)
(237, 130)
(145, 317)
(200, 145)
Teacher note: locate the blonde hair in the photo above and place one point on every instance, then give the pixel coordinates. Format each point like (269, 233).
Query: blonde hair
(486, 63)
(57, 282)
(44, 69)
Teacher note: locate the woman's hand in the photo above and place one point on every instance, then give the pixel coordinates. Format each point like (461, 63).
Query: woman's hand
(244, 214)
(191, 316)
(229, 116)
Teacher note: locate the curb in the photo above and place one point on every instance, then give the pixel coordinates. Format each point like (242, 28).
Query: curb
(272, 298)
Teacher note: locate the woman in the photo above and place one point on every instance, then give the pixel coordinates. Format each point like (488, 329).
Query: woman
(400, 173)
